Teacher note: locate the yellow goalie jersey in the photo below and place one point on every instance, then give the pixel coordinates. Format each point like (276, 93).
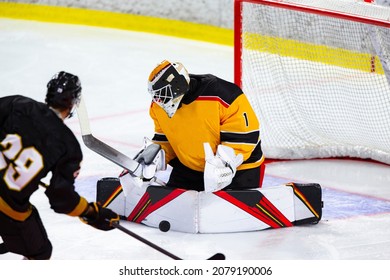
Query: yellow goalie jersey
(213, 111)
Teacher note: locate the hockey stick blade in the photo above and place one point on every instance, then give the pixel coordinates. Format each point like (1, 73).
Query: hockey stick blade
(111, 154)
(101, 148)
(218, 256)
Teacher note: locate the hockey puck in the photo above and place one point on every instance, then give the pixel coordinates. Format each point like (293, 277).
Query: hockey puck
(218, 256)
(164, 226)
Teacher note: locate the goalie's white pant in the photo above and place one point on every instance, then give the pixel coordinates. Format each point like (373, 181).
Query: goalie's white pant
(222, 211)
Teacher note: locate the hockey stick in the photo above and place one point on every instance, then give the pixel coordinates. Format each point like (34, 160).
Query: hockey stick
(101, 148)
(218, 256)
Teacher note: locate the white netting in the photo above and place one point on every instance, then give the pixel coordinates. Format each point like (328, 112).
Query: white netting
(319, 83)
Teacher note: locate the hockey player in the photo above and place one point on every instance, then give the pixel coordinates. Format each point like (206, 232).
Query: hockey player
(33, 142)
(207, 129)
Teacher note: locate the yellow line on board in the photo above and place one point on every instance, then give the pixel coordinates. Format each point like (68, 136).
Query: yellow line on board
(313, 52)
(116, 20)
(208, 33)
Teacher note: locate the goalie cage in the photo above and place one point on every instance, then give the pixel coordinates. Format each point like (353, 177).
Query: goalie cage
(317, 75)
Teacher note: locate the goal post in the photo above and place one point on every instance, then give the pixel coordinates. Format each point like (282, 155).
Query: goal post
(318, 76)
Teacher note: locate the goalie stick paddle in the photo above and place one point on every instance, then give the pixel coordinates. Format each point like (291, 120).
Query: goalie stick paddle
(218, 256)
(101, 148)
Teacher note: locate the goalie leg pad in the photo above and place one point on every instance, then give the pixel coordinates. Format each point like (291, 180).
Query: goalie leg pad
(176, 206)
(109, 193)
(105, 187)
(223, 211)
(308, 203)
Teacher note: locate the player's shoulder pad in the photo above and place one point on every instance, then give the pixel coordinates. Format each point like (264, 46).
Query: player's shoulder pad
(214, 86)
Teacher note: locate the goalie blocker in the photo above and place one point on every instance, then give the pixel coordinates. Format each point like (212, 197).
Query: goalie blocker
(222, 211)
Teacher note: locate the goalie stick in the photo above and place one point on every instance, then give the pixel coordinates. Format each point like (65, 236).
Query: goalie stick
(218, 256)
(101, 148)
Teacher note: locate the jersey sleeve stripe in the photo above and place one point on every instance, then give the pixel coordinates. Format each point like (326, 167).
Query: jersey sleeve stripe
(251, 137)
(80, 208)
(256, 155)
(16, 215)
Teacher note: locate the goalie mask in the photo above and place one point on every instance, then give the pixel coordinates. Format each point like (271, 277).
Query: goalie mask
(63, 91)
(167, 85)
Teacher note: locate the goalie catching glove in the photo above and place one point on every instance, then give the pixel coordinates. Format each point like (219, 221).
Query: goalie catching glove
(99, 217)
(220, 168)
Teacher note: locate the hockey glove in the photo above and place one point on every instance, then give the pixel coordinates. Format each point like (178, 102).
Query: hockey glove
(220, 168)
(99, 217)
(152, 159)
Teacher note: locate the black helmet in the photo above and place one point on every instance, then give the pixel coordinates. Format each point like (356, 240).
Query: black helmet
(63, 91)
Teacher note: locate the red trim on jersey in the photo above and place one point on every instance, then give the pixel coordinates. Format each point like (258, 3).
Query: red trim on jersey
(213, 98)
(262, 172)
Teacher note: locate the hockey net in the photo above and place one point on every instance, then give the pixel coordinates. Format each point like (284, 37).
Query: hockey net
(317, 74)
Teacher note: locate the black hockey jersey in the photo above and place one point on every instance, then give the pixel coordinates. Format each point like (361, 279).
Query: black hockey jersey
(33, 142)
(213, 111)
